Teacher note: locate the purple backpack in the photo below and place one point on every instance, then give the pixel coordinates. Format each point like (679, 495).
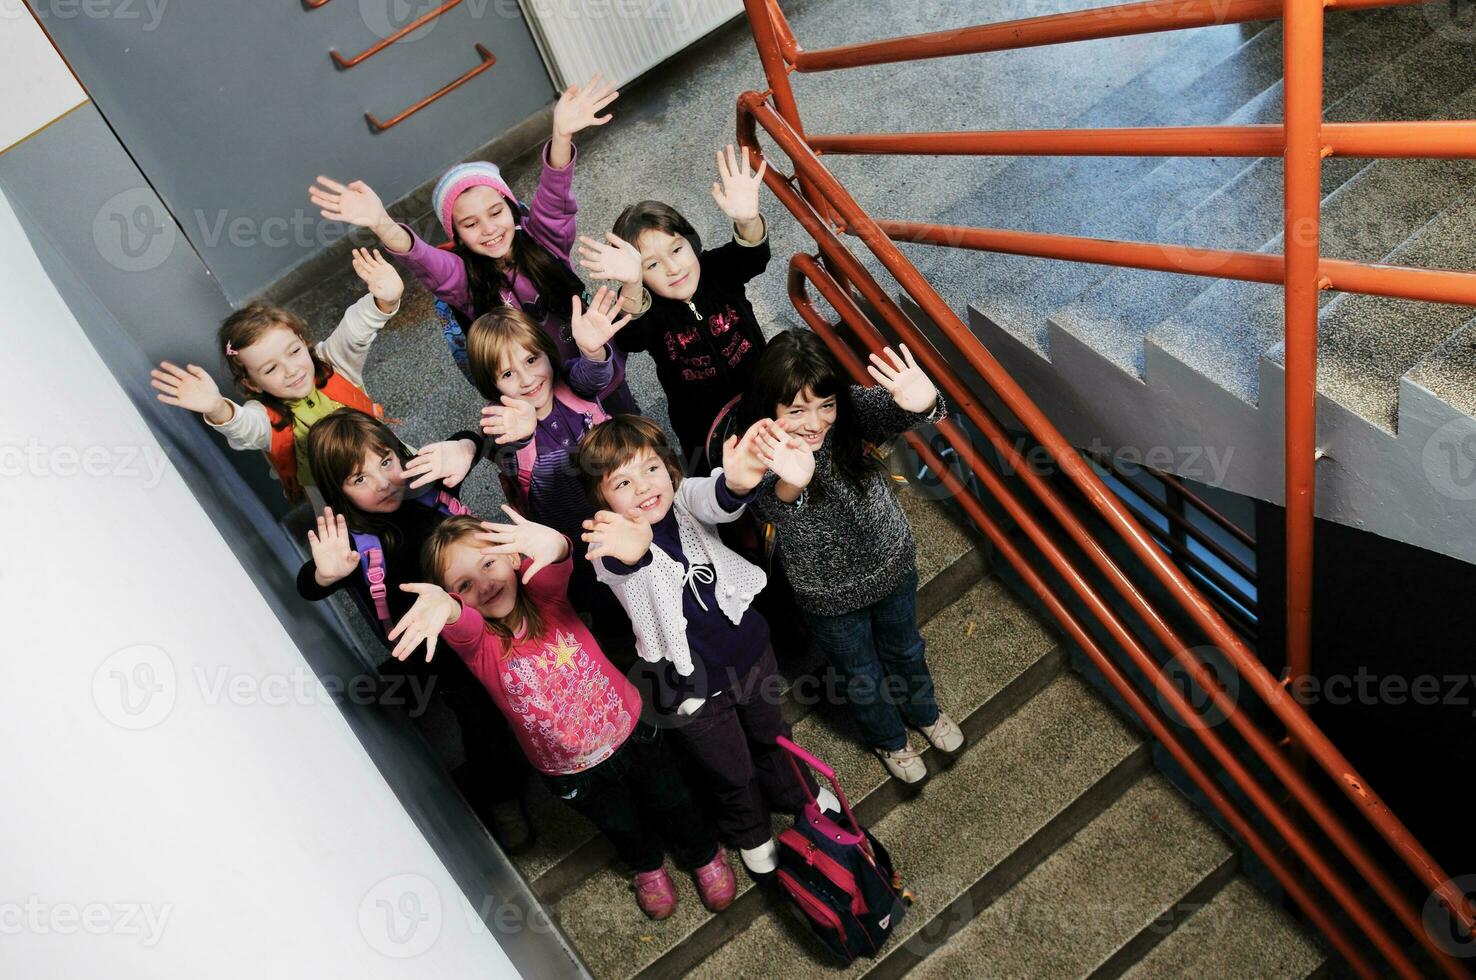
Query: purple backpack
(839, 875)
(371, 553)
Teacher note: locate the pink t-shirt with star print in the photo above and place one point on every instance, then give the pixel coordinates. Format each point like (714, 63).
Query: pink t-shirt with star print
(566, 703)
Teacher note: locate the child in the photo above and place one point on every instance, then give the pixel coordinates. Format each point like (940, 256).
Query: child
(291, 383)
(690, 600)
(503, 254)
(539, 418)
(383, 506)
(843, 537)
(693, 315)
(576, 716)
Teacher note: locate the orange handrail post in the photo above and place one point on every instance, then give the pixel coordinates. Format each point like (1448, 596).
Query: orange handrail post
(1302, 174)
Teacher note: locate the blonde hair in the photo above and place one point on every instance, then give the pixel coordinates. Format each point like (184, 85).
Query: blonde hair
(435, 554)
(615, 442)
(492, 340)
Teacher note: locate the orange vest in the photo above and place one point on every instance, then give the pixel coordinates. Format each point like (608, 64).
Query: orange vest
(283, 454)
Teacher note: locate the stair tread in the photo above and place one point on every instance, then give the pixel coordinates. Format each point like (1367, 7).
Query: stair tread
(1244, 213)
(1116, 878)
(562, 832)
(1449, 371)
(1365, 344)
(1024, 773)
(1251, 939)
(976, 647)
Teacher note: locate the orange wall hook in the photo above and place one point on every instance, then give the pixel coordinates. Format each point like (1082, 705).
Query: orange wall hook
(488, 60)
(374, 49)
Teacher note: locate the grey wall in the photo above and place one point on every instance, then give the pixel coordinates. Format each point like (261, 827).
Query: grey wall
(231, 109)
(65, 184)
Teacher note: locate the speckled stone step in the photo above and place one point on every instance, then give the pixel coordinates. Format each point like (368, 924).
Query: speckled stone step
(1365, 344)
(1449, 371)
(1127, 873)
(568, 849)
(1238, 935)
(983, 650)
(1113, 316)
(1059, 759)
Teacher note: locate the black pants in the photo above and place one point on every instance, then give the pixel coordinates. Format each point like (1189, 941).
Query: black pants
(637, 798)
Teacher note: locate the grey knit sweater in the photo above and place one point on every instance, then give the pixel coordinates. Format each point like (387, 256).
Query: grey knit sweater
(845, 548)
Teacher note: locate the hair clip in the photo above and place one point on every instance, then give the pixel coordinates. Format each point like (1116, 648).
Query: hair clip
(230, 351)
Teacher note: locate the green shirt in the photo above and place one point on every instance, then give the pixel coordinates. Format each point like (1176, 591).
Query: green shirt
(306, 413)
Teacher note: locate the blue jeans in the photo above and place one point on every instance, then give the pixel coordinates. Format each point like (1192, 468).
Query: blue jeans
(878, 652)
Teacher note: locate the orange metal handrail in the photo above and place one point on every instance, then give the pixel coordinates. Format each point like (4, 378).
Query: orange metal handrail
(752, 110)
(383, 43)
(488, 60)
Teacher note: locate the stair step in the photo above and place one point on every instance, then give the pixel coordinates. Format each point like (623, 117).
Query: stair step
(1009, 801)
(1365, 344)
(1224, 332)
(1239, 934)
(1120, 882)
(983, 650)
(1028, 194)
(1448, 371)
(569, 850)
(1114, 315)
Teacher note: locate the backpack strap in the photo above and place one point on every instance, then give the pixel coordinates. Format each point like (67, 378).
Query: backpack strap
(371, 563)
(450, 504)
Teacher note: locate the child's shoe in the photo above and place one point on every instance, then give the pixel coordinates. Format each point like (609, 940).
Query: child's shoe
(655, 893)
(903, 763)
(511, 827)
(761, 860)
(716, 883)
(944, 734)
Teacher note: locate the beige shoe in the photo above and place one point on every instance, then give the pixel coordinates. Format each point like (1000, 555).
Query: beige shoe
(904, 763)
(944, 734)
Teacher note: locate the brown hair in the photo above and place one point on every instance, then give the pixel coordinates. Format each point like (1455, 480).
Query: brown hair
(335, 449)
(655, 216)
(491, 340)
(615, 442)
(433, 558)
(248, 325)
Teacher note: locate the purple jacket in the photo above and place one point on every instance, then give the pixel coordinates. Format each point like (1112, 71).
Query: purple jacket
(550, 223)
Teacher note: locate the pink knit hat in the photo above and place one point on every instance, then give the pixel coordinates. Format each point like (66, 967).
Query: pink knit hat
(461, 178)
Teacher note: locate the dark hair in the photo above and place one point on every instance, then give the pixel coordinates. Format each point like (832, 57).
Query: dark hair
(792, 361)
(551, 276)
(655, 216)
(335, 448)
(248, 325)
(615, 442)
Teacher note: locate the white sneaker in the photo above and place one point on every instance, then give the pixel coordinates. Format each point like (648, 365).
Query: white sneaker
(761, 860)
(904, 763)
(944, 734)
(827, 800)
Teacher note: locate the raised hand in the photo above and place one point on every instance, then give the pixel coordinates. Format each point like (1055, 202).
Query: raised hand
(615, 258)
(910, 387)
(334, 556)
(742, 467)
(624, 537)
(593, 328)
(543, 545)
(384, 283)
(737, 190)
(578, 107)
(786, 455)
(354, 203)
(448, 462)
(433, 611)
(512, 421)
(190, 388)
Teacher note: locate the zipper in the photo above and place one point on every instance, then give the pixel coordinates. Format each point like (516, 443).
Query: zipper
(812, 906)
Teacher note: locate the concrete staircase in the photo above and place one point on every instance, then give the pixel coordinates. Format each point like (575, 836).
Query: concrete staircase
(1191, 367)
(1049, 847)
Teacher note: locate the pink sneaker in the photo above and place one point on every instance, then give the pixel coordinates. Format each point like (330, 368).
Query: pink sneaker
(716, 883)
(655, 893)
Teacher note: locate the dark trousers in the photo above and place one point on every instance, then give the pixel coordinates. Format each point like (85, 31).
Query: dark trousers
(732, 737)
(879, 654)
(637, 798)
